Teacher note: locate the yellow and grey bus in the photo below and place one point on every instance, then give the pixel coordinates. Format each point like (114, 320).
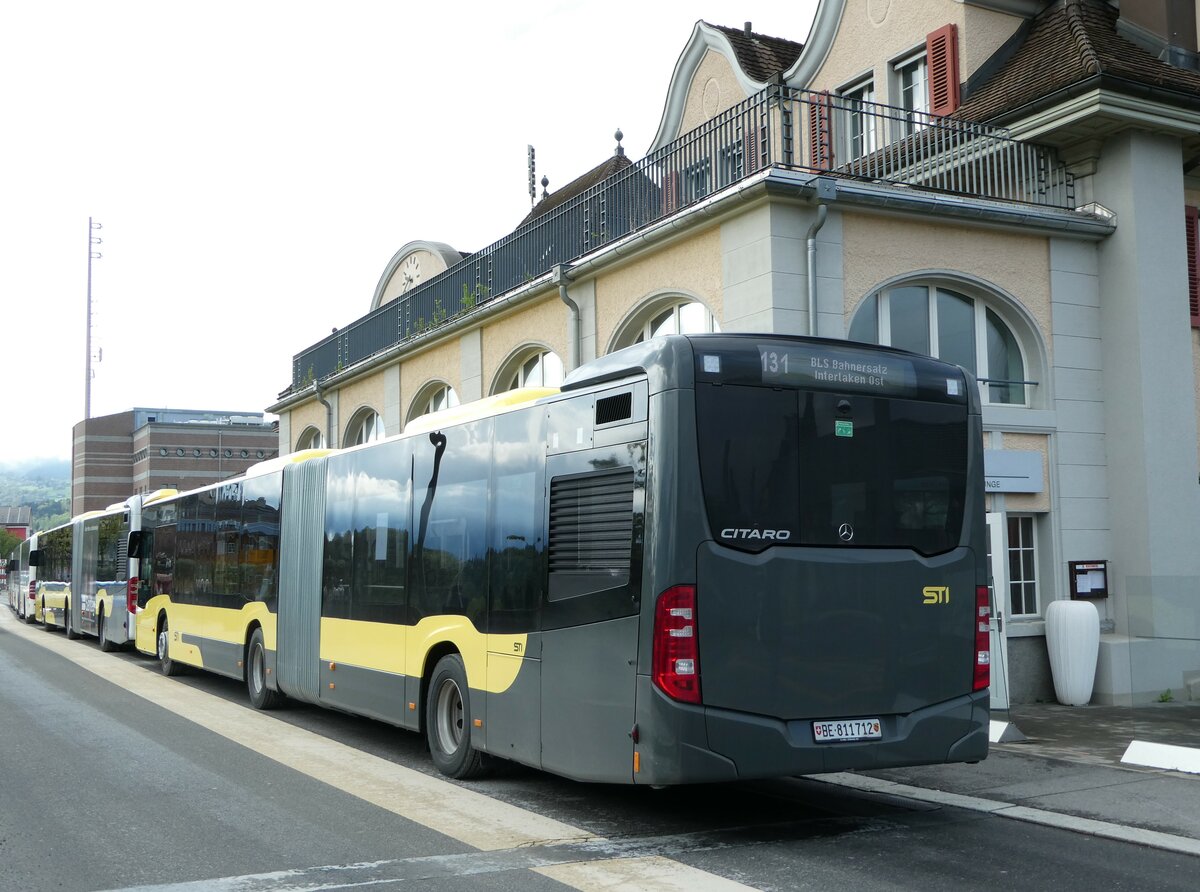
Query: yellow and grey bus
(50, 579)
(707, 558)
(105, 578)
(20, 575)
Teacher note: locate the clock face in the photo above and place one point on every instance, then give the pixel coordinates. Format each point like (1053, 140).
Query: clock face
(410, 273)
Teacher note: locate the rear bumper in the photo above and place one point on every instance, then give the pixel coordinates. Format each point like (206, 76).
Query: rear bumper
(690, 744)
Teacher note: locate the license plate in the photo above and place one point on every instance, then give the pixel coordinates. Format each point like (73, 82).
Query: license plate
(847, 729)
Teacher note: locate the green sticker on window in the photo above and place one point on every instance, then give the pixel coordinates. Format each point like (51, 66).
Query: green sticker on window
(843, 428)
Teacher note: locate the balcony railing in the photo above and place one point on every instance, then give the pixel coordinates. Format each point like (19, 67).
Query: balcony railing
(779, 127)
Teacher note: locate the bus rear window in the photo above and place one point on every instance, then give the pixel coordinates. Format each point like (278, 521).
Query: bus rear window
(799, 467)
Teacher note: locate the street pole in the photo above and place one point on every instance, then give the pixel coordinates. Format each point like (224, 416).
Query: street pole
(93, 240)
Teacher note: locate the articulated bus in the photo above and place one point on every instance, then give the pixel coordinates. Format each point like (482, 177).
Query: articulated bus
(707, 558)
(50, 584)
(106, 580)
(20, 575)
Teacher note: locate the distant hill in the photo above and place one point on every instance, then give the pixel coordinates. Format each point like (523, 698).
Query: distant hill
(44, 485)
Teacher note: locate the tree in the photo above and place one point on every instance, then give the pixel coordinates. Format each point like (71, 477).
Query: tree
(7, 543)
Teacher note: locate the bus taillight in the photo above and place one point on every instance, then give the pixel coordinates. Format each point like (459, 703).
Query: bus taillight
(983, 646)
(131, 589)
(676, 656)
(33, 591)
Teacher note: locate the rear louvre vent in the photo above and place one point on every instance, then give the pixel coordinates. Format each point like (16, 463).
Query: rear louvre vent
(591, 532)
(614, 408)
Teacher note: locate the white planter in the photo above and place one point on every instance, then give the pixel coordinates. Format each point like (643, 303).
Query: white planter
(1073, 642)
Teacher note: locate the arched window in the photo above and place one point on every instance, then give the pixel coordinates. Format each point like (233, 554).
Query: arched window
(542, 368)
(433, 398)
(365, 427)
(677, 315)
(681, 317)
(310, 438)
(941, 322)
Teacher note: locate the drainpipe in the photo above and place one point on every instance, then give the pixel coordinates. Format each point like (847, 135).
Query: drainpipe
(560, 278)
(330, 439)
(822, 213)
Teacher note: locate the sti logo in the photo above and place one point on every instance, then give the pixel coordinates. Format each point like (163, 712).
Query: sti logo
(936, 594)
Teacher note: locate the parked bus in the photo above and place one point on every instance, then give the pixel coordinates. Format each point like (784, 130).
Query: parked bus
(106, 578)
(708, 558)
(51, 587)
(19, 595)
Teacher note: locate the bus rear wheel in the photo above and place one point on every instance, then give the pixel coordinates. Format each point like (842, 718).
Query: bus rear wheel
(448, 721)
(105, 645)
(261, 696)
(71, 633)
(165, 663)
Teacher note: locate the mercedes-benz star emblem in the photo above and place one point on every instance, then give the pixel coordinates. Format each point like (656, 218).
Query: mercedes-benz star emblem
(845, 532)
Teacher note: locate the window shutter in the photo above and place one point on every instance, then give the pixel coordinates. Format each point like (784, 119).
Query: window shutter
(1192, 217)
(941, 55)
(750, 150)
(671, 191)
(819, 134)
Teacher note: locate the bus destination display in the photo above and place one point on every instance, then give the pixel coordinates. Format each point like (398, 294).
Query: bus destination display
(799, 365)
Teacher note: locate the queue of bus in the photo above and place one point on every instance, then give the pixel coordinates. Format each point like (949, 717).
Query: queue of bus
(706, 558)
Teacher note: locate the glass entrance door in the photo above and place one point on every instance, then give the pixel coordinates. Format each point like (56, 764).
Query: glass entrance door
(998, 585)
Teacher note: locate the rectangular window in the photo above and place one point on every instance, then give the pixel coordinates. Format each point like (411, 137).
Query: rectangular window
(695, 181)
(856, 104)
(911, 91)
(1022, 566)
(831, 468)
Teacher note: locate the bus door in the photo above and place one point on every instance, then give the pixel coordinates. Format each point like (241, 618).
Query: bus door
(590, 620)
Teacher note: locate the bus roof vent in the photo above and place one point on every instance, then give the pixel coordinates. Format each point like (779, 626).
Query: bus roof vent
(614, 408)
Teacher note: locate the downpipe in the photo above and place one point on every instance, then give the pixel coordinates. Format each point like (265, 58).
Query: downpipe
(560, 278)
(822, 213)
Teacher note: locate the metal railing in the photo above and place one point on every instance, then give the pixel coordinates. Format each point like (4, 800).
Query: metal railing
(778, 127)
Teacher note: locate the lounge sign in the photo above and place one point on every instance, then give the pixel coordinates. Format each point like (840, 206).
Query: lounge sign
(1006, 470)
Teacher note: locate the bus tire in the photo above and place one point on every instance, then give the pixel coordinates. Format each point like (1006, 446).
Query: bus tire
(71, 633)
(101, 632)
(165, 663)
(261, 696)
(448, 721)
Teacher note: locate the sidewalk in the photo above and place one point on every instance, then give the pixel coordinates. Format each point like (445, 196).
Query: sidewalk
(1068, 773)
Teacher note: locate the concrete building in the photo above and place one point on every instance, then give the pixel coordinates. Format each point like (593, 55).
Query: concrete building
(142, 450)
(1009, 184)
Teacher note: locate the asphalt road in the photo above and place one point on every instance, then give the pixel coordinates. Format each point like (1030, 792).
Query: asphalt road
(104, 784)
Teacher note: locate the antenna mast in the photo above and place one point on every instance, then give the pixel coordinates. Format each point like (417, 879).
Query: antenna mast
(93, 254)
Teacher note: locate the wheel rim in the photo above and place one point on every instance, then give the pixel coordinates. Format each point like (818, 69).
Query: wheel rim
(257, 680)
(449, 716)
(162, 643)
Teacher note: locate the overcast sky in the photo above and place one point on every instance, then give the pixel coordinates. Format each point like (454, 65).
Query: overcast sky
(256, 164)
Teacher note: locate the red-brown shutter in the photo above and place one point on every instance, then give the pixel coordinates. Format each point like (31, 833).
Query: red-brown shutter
(750, 148)
(671, 191)
(941, 56)
(1191, 215)
(820, 136)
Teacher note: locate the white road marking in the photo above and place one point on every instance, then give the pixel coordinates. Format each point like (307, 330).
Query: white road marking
(1163, 755)
(459, 813)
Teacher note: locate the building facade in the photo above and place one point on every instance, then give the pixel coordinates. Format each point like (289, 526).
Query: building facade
(17, 521)
(1008, 184)
(141, 450)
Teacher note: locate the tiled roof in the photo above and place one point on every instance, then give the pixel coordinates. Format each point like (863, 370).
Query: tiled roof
(615, 164)
(15, 517)
(1071, 42)
(761, 56)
